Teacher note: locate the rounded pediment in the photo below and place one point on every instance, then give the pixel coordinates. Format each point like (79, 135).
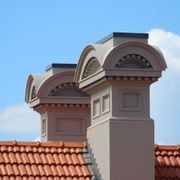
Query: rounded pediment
(134, 55)
(52, 82)
(33, 83)
(128, 59)
(42, 85)
(90, 61)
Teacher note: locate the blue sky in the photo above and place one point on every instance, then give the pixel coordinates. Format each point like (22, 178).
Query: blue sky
(34, 34)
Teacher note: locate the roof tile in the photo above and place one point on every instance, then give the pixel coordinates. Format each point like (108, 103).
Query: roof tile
(15, 169)
(41, 170)
(85, 170)
(22, 169)
(167, 162)
(5, 157)
(60, 170)
(46, 160)
(81, 159)
(69, 160)
(12, 157)
(50, 158)
(79, 171)
(62, 159)
(75, 159)
(53, 169)
(48, 170)
(1, 158)
(56, 159)
(35, 170)
(31, 158)
(25, 158)
(37, 158)
(173, 161)
(9, 169)
(66, 170)
(178, 160)
(18, 157)
(28, 169)
(43, 158)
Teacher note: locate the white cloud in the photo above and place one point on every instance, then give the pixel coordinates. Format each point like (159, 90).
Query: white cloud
(165, 93)
(19, 119)
(169, 43)
(38, 138)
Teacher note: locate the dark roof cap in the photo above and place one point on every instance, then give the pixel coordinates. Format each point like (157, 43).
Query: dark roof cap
(123, 35)
(57, 65)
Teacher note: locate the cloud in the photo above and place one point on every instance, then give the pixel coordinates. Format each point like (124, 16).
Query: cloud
(165, 93)
(38, 138)
(169, 43)
(19, 119)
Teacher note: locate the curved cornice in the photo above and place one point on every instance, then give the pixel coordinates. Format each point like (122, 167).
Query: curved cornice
(137, 48)
(108, 56)
(49, 83)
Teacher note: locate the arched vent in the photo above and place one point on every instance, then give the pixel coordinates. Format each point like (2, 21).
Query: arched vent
(133, 61)
(67, 89)
(33, 93)
(91, 67)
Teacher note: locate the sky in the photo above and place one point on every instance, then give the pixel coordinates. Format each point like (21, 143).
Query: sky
(34, 34)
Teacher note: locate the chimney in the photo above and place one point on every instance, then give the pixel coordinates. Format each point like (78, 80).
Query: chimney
(64, 109)
(117, 73)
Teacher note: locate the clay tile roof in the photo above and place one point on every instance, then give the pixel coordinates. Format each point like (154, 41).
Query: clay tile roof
(61, 160)
(167, 162)
(43, 160)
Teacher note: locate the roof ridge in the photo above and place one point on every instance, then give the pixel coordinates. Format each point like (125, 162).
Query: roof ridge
(44, 144)
(167, 147)
(73, 144)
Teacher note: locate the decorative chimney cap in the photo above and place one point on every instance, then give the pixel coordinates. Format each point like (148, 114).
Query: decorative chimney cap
(119, 55)
(48, 87)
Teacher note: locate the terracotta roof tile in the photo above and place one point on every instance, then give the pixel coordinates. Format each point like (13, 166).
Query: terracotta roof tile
(56, 159)
(79, 171)
(60, 160)
(60, 170)
(46, 160)
(167, 162)
(75, 159)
